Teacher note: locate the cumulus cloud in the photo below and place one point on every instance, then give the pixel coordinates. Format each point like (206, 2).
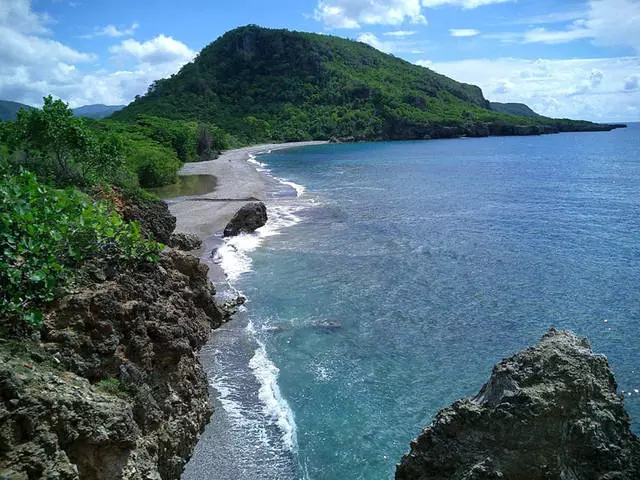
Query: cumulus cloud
(33, 65)
(632, 83)
(375, 42)
(605, 23)
(355, 13)
(160, 49)
(398, 44)
(400, 33)
(594, 89)
(18, 15)
(112, 31)
(463, 32)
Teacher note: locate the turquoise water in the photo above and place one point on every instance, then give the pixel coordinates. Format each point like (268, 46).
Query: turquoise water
(402, 273)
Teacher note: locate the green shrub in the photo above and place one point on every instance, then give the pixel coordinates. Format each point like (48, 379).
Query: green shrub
(154, 164)
(112, 386)
(46, 234)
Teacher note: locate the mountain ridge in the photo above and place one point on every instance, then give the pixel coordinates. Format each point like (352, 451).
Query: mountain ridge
(267, 84)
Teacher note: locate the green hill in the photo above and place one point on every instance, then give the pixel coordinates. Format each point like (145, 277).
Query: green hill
(514, 109)
(261, 84)
(96, 111)
(9, 109)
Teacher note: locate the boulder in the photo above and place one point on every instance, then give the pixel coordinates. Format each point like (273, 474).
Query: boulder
(549, 412)
(184, 241)
(251, 216)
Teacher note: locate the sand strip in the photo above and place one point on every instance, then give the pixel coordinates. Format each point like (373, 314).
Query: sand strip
(237, 181)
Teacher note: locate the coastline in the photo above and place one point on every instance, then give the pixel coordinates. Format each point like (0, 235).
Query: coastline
(247, 403)
(237, 182)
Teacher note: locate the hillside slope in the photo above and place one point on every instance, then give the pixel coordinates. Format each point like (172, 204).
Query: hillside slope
(96, 111)
(514, 109)
(9, 109)
(263, 84)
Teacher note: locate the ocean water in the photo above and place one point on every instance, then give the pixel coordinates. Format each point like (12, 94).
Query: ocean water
(391, 277)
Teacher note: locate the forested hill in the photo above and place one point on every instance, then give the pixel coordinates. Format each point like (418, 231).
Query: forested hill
(259, 84)
(514, 109)
(9, 109)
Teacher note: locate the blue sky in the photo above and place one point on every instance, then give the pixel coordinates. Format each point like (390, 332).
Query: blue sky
(576, 58)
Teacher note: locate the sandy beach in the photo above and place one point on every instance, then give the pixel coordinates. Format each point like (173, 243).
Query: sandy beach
(237, 182)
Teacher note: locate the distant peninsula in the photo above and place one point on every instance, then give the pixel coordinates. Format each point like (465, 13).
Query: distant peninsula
(263, 84)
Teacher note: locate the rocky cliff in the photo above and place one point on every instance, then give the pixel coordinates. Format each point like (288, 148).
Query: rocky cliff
(111, 387)
(549, 412)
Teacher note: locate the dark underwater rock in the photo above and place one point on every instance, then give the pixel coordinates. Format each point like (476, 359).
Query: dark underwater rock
(251, 216)
(549, 412)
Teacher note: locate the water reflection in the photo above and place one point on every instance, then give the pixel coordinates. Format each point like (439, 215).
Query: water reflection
(186, 185)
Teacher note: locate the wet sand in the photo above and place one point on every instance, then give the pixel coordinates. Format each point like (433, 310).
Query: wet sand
(237, 182)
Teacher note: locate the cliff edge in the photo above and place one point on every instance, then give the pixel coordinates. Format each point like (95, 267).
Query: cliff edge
(549, 412)
(111, 386)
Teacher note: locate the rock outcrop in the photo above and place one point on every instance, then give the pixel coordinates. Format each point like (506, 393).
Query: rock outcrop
(113, 390)
(549, 412)
(251, 216)
(153, 215)
(184, 241)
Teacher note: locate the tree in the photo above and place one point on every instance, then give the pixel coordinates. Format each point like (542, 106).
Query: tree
(203, 142)
(58, 146)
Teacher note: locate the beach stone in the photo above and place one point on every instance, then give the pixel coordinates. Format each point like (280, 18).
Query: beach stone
(549, 412)
(184, 241)
(251, 216)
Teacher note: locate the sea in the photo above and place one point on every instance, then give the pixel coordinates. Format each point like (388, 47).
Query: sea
(392, 276)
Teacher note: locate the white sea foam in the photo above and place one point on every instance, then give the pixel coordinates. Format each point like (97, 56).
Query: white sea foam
(261, 167)
(298, 188)
(234, 255)
(275, 406)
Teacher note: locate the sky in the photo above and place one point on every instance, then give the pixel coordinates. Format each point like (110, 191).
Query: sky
(569, 58)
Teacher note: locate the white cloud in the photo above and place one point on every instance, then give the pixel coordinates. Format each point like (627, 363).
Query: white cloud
(398, 44)
(605, 23)
(160, 49)
(463, 32)
(375, 42)
(599, 89)
(355, 13)
(400, 33)
(632, 83)
(17, 15)
(113, 31)
(33, 65)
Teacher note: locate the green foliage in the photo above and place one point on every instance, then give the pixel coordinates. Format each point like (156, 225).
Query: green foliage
(61, 149)
(263, 84)
(46, 234)
(112, 386)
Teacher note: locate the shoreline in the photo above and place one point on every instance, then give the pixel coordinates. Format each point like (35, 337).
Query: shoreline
(237, 182)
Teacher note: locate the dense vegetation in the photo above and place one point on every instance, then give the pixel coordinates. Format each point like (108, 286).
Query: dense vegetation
(262, 84)
(513, 109)
(8, 110)
(49, 228)
(46, 233)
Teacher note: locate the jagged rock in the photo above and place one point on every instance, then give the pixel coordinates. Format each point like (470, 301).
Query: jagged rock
(153, 215)
(184, 241)
(250, 217)
(549, 412)
(140, 332)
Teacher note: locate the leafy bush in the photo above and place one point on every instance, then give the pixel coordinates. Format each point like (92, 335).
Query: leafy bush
(46, 234)
(154, 164)
(61, 149)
